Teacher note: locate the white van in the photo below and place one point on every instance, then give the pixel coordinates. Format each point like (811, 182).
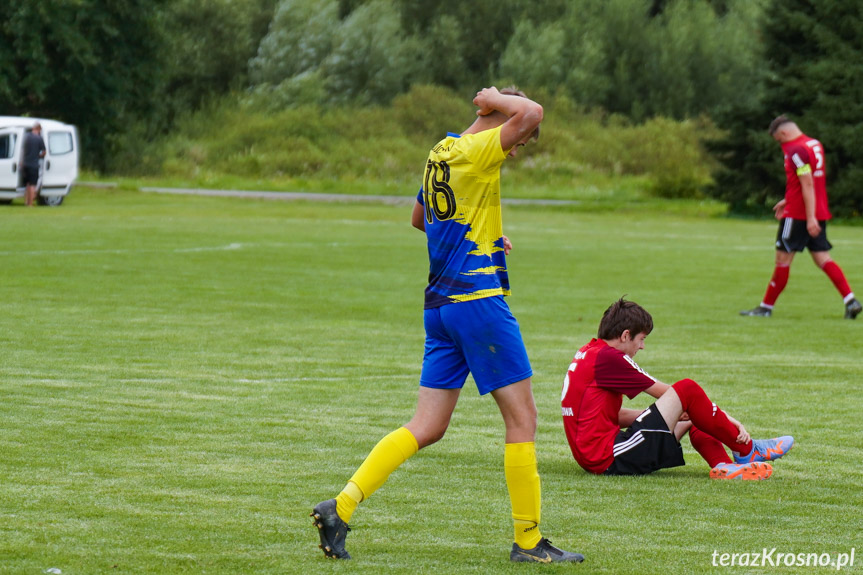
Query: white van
(59, 168)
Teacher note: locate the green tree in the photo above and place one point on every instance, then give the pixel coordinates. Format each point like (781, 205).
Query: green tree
(700, 59)
(299, 39)
(463, 40)
(373, 59)
(93, 63)
(535, 55)
(817, 78)
(312, 55)
(207, 45)
(751, 178)
(627, 58)
(815, 75)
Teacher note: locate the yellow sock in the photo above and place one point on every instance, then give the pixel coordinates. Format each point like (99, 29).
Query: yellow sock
(347, 501)
(525, 493)
(387, 455)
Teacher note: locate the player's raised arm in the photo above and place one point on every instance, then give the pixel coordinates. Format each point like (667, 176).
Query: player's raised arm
(524, 115)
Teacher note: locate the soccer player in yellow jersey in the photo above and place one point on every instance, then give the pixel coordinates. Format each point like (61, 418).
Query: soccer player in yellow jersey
(469, 328)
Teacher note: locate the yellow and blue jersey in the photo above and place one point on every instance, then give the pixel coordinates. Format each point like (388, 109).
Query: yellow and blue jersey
(461, 197)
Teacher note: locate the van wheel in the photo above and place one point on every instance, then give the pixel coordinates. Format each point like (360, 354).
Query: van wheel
(49, 200)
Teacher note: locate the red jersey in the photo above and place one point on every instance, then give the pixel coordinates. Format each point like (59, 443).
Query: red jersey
(805, 155)
(592, 395)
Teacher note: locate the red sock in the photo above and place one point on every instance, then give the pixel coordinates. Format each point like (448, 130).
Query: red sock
(708, 447)
(834, 272)
(776, 285)
(707, 416)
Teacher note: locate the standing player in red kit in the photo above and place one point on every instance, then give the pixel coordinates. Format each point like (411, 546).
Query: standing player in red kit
(603, 371)
(802, 215)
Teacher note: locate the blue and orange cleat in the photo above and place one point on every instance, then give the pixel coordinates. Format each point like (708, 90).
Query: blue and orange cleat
(756, 470)
(766, 449)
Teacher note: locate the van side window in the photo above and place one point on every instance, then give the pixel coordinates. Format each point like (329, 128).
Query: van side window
(59, 143)
(7, 146)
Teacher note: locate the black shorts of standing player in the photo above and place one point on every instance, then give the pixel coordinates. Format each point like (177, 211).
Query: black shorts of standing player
(645, 447)
(793, 237)
(31, 175)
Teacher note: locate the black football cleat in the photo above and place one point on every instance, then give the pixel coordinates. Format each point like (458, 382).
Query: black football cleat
(332, 530)
(853, 309)
(759, 311)
(544, 552)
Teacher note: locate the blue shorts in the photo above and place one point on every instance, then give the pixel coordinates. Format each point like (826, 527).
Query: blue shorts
(480, 337)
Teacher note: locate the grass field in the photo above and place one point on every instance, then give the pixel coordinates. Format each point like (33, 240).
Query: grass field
(184, 378)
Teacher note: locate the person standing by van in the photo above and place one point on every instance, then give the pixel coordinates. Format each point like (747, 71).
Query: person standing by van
(33, 151)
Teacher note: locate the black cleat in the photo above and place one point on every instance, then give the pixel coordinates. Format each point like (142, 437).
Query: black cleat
(853, 309)
(761, 311)
(332, 530)
(544, 552)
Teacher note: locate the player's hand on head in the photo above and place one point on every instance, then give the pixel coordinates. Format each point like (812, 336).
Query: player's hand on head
(484, 99)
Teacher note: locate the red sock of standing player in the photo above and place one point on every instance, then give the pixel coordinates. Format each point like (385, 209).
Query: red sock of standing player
(776, 285)
(707, 416)
(708, 447)
(834, 272)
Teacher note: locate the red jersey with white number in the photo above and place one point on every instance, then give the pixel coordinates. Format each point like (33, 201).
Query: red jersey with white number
(592, 395)
(805, 155)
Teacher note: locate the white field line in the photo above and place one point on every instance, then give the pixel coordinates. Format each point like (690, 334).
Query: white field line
(229, 247)
(337, 198)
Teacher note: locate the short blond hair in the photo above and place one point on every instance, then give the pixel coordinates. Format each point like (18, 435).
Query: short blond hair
(513, 90)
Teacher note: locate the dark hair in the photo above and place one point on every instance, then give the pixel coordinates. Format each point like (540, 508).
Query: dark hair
(777, 121)
(514, 91)
(624, 315)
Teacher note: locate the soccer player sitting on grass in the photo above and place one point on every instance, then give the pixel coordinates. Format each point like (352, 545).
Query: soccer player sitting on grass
(603, 371)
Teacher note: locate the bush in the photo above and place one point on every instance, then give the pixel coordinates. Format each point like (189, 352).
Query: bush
(672, 154)
(390, 144)
(426, 113)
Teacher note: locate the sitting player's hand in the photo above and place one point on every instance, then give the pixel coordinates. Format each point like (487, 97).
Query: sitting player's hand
(743, 436)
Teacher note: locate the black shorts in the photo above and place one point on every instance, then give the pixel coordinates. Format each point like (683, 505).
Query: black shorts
(645, 447)
(793, 237)
(31, 175)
